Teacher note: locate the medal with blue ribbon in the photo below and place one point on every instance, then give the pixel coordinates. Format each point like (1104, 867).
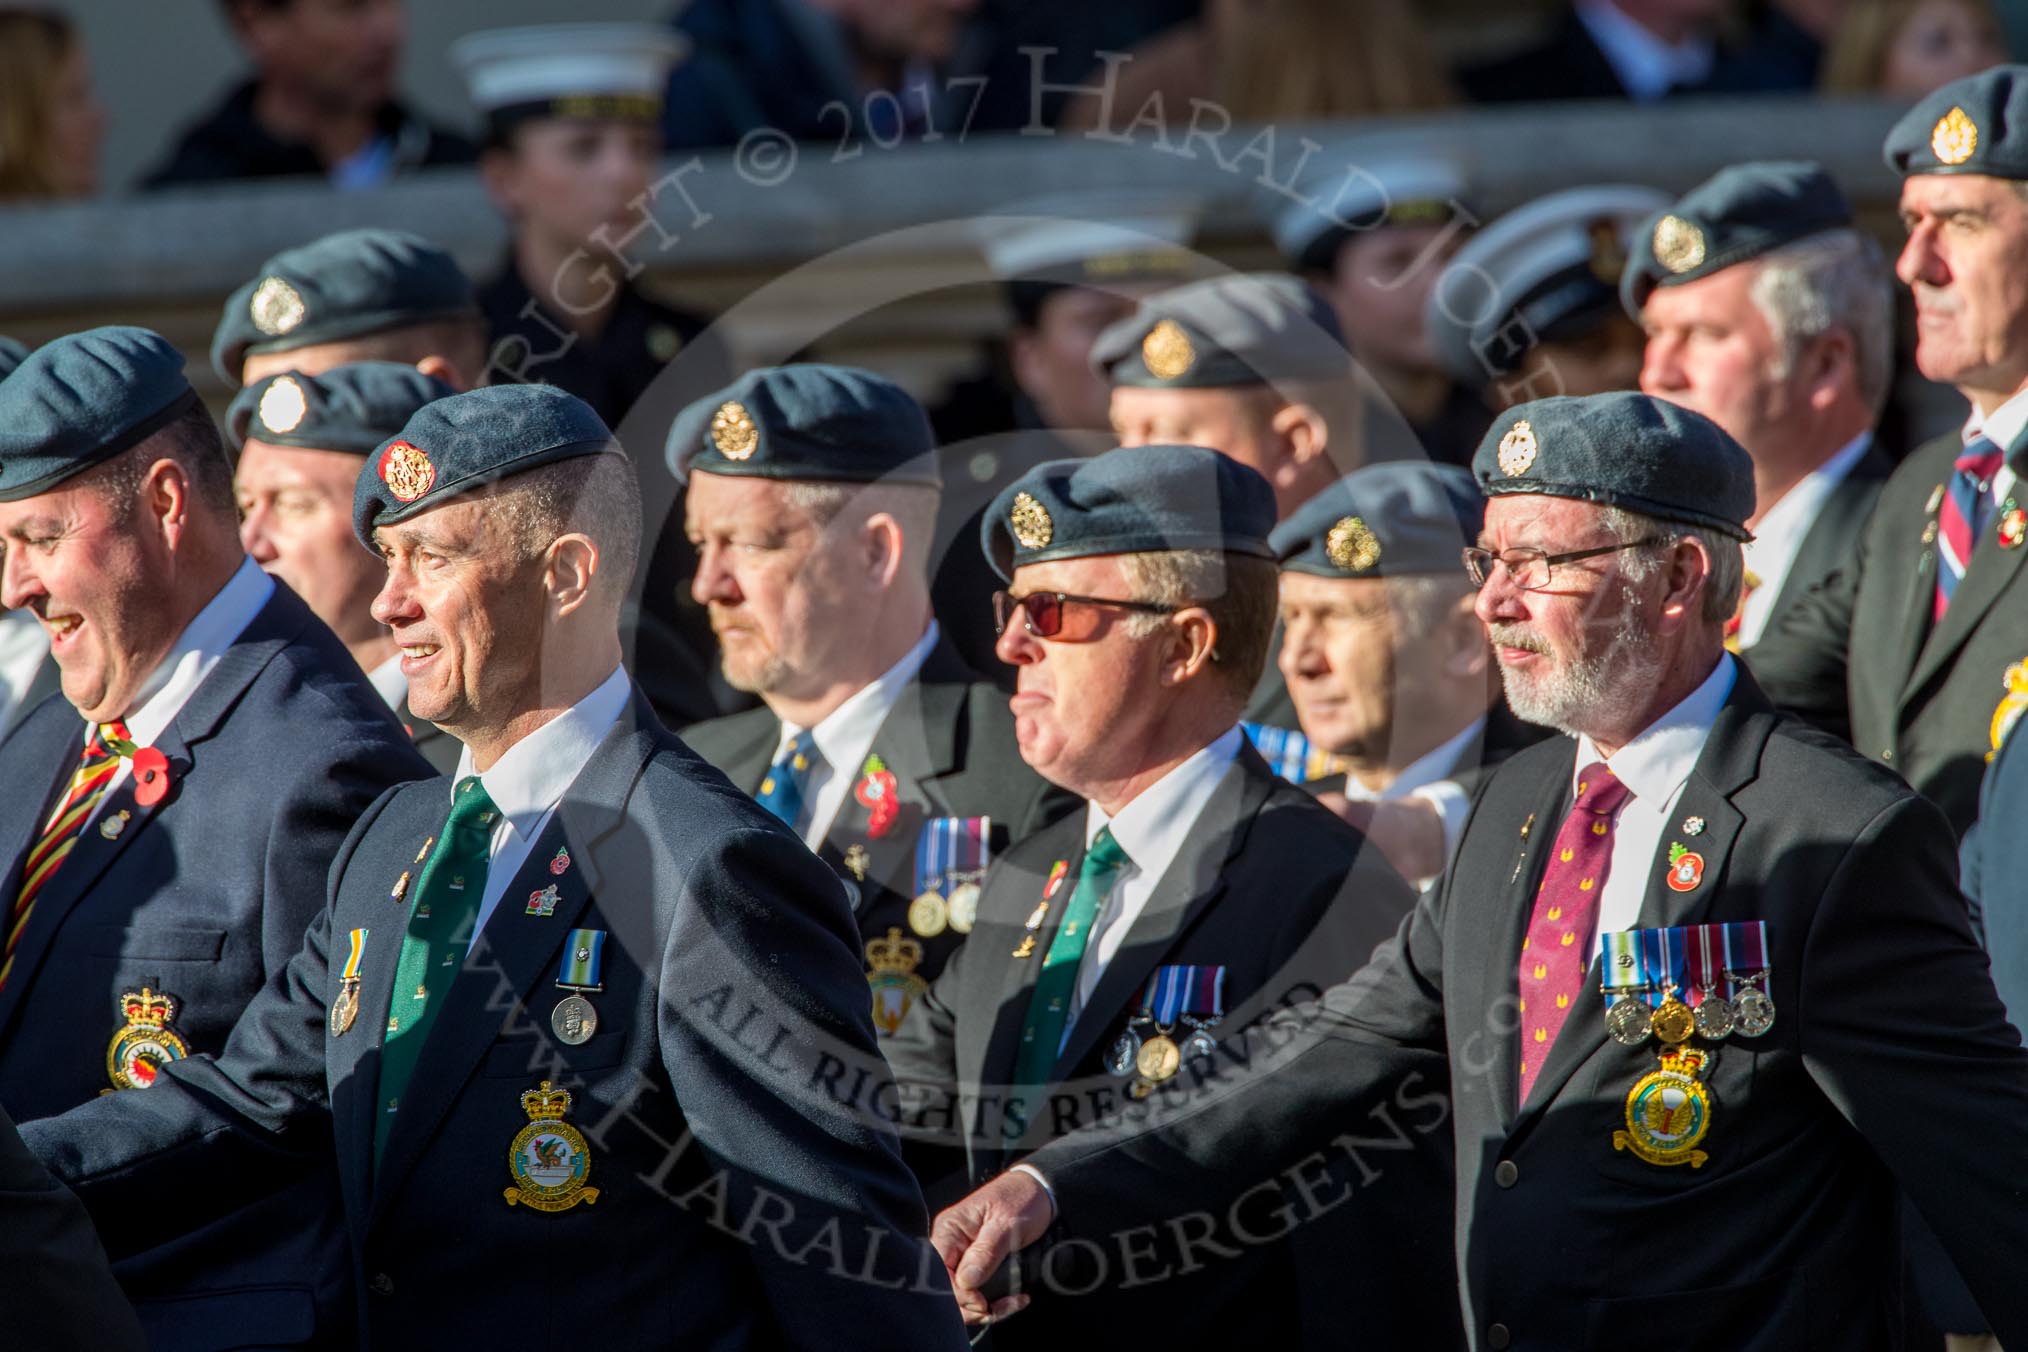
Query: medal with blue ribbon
(1747, 977)
(950, 858)
(574, 1020)
(1623, 981)
(1193, 996)
(345, 1007)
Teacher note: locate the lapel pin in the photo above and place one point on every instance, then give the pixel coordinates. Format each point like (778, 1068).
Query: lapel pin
(1522, 857)
(560, 863)
(1686, 868)
(2013, 526)
(111, 827)
(1935, 500)
(151, 776)
(1693, 826)
(856, 860)
(544, 902)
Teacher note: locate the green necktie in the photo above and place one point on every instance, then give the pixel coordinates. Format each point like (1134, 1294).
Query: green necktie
(1049, 1007)
(447, 899)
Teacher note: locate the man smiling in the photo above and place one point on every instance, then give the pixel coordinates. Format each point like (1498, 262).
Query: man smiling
(172, 817)
(526, 1020)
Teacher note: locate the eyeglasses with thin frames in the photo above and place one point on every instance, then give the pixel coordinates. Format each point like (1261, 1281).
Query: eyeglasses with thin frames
(1529, 568)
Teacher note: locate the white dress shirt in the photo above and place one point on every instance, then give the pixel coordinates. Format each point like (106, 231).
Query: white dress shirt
(1646, 65)
(2004, 430)
(24, 644)
(1778, 535)
(198, 648)
(845, 736)
(1655, 766)
(529, 780)
(1429, 777)
(1152, 829)
(387, 680)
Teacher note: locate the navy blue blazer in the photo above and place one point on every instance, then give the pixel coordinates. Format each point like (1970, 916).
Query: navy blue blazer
(203, 897)
(743, 1200)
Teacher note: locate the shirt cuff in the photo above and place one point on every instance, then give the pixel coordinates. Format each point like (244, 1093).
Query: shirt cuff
(1049, 1192)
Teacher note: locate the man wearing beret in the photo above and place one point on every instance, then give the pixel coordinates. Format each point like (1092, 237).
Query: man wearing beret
(811, 494)
(1917, 637)
(302, 441)
(356, 295)
(1767, 312)
(1253, 366)
(1529, 306)
(1389, 669)
(569, 1005)
(1706, 987)
(173, 816)
(1196, 892)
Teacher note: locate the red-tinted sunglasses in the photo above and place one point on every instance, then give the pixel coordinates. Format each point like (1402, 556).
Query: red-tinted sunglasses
(1047, 614)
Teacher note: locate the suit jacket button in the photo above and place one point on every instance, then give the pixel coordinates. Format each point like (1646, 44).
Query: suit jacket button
(380, 1284)
(1506, 1174)
(1498, 1337)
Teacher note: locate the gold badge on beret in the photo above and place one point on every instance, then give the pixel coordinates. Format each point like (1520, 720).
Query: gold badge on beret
(276, 307)
(1352, 545)
(1679, 245)
(733, 431)
(283, 405)
(406, 470)
(1517, 449)
(1167, 351)
(1954, 138)
(1030, 519)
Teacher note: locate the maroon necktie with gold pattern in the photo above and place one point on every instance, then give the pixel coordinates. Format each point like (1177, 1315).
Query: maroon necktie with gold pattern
(1566, 913)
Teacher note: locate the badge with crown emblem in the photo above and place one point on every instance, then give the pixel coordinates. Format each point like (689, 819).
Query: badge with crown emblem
(140, 1050)
(891, 964)
(1668, 1111)
(549, 1158)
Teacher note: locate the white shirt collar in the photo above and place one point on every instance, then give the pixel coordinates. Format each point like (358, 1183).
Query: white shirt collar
(845, 736)
(389, 682)
(198, 648)
(530, 778)
(1427, 769)
(1658, 762)
(1646, 65)
(1778, 535)
(1156, 825)
(2004, 427)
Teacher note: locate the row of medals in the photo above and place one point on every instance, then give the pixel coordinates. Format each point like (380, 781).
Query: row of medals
(1750, 1013)
(1151, 1059)
(931, 913)
(574, 1020)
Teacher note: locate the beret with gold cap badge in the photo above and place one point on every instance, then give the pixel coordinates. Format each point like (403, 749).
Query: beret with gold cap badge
(1133, 500)
(1976, 125)
(1624, 450)
(463, 443)
(1738, 214)
(351, 408)
(1404, 518)
(1247, 329)
(812, 421)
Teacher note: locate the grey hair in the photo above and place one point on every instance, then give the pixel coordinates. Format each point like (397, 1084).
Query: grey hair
(1728, 562)
(914, 506)
(598, 495)
(1837, 280)
(1240, 592)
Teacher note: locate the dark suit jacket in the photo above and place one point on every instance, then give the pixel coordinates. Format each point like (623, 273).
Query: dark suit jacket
(1833, 538)
(47, 681)
(950, 743)
(1920, 698)
(205, 898)
(1890, 1060)
(730, 988)
(59, 1292)
(1502, 736)
(1286, 898)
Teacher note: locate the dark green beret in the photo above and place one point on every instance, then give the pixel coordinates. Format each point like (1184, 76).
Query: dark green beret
(1405, 518)
(1248, 329)
(81, 400)
(836, 424)
(1977, 125)
(347, 285)
(1625, 450)
(1129, 501)
(12, 354)
(349, 408)
(1737, 214)
(456, 445)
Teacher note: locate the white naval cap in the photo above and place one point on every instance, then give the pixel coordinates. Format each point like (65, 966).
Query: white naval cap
(569, 69)
(1090, 237)
(1336, 200)
(1554, 265)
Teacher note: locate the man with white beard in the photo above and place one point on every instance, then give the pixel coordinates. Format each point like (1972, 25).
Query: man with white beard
(1697, 964)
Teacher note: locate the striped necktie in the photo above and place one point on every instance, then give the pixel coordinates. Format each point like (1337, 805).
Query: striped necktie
(1964, 511)
(88, 784)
